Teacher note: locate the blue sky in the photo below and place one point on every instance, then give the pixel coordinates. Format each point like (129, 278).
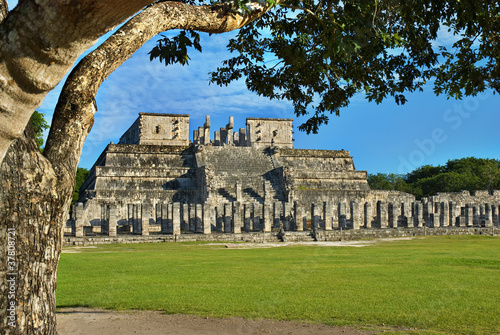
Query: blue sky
(381, 138)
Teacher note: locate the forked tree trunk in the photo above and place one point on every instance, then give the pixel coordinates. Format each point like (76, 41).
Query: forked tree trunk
(36, 190)
(33, 204)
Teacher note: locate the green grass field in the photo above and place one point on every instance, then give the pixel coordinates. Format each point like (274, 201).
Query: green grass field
(434, 285)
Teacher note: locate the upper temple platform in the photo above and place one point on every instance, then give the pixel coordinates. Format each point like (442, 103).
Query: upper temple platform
(173, 130)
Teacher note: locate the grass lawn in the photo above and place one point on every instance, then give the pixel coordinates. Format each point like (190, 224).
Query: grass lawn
(436, 285)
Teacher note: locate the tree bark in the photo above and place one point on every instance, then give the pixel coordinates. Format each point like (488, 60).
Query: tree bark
(39, 42)
(36, 190)
(4, 9)
(32, 203)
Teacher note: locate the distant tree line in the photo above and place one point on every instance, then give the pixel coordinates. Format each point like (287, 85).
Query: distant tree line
(81, 175)
(39, 125)
(456, 175)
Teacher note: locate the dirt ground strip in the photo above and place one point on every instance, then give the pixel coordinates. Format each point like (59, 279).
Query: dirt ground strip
(84, 321)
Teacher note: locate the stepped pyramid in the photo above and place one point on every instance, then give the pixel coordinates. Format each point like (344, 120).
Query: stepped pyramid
(156, 165)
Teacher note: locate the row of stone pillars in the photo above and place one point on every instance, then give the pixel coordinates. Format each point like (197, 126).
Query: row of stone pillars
(234, 217)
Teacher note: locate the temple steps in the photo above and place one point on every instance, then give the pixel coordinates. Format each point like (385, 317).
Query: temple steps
(250, 168)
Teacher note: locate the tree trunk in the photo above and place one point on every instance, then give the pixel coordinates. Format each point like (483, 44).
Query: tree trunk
(33, 204)
(36, 190)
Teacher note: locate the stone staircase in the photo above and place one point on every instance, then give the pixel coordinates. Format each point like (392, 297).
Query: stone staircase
(249, 168)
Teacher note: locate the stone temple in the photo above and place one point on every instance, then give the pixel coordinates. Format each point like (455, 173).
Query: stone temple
(157, 181)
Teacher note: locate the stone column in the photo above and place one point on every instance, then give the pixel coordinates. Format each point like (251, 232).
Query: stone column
(136, 219)
(113, 220)
(146, 217)
(335, 216)
(199, 219)
(236, 139)
(206, 130)
(266, 213)
(239, 194)
(137, 210)
(257, 216)
(223, 136)
(185, 217)
(406, 210)
(192, 218)
(488, 222)
(277, 214)
(418, 212)
(315, 215)
(428, 210)
(104, 221)
(299, 216)
(462, 219)
(78, 229)
(476, 217)
(469, 214)
(494, 214)
(207, 218)
(445, 214)
(328, 215)
(411, 222)
(368, 215)
(453, 214)
(355, 215)
(201, 132)
(236, 218)
(382, 214)
(130, 218)
(219, 218)
(286, 216)
(176, 218)
(393, 215)
(229, 134)
(342, 215)
(228, 214)
(164, 219)
(481, 216)
(436, 215)
(242, 138)
(247, 217)
(267, 193)
(217, 138)
(196, 137)
(170, 221)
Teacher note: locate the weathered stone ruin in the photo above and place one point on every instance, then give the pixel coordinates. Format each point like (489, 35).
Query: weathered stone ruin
(157, 181)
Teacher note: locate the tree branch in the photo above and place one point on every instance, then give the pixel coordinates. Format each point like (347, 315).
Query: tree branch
(74, 113)
(4, 9)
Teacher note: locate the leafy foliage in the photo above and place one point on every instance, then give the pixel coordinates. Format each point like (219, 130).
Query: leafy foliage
(460, 174)
(39, 125)
(319, 54)
(175, 50)
(388, 181)
(81, 175)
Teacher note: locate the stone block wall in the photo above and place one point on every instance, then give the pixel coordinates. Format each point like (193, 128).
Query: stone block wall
(264, 132)
(158, 129)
